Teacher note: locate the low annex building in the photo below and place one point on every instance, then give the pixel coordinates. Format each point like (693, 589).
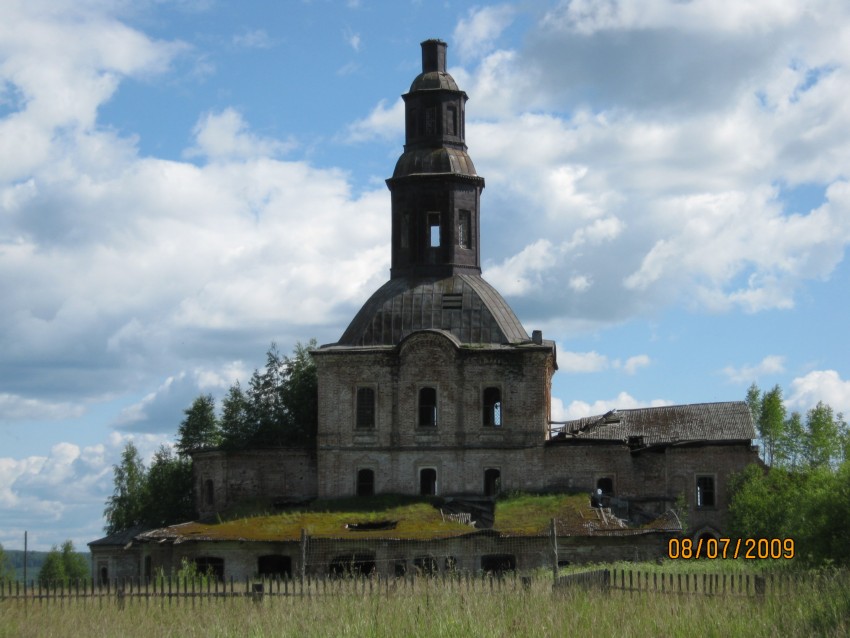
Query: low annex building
(436, 389)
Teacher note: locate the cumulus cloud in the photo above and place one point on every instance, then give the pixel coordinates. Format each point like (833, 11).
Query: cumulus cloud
(579, 409)
(225, 135)
(819, 385)
(68, 485)
(583, 362)
(771, 364)
(478, 31)
(384, 122)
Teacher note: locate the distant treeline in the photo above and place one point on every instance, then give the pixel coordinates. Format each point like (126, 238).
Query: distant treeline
(35, 560)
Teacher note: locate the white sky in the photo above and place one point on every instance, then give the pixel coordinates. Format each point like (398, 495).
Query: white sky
(182, 183)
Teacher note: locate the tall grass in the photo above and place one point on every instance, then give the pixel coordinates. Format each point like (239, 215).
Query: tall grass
(820, 606)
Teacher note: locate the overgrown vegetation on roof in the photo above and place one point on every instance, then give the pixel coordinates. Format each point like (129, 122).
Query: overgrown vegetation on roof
(416, 519)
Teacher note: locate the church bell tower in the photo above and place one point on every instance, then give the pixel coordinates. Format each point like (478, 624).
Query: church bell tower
(436, 193)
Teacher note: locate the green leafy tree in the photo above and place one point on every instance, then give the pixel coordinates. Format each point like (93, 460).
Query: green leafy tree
(76, 567)
(62, 566)
(792, 445)
(824, 444)
(754, 402)
(126, 507)
(168, 489)
(199, 428)
(7, 572)
(52, 571)
(771, 423)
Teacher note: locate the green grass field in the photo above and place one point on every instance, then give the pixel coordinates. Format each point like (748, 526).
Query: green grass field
(818, 606)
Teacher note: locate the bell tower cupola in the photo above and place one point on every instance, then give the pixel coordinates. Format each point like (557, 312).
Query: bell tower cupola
(435, 190)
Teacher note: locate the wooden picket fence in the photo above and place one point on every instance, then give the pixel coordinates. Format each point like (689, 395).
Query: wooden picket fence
(707, 584)
(176, 590)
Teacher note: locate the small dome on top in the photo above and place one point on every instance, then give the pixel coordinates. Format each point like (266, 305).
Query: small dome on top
(433, 74)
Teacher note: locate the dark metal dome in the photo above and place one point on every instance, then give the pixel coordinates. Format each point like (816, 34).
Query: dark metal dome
(444, 159)
(433, 80)
(464, 305)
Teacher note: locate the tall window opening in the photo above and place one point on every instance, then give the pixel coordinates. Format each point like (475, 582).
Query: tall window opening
(428, 407)
(705, 492)
(434, 230)
(365, 408)
(492, 482)
(451, 120)
(431, 120)
(463, 223)
(365, 482)
(492, 407)
(428, 481)
(209, 492)
(404, 231)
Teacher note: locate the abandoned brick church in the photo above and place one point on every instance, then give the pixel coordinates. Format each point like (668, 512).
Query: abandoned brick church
(436, 388)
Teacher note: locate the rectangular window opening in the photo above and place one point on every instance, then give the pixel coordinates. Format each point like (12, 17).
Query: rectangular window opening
(705, 492)
(464, 239)
(365, 408)
(434, 230)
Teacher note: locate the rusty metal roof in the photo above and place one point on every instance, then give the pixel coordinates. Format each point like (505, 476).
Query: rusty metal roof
(728, 421)
(464, 305)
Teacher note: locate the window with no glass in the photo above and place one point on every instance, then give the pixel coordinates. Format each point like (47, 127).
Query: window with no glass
(428, 481)
(463, 221)
(705, 492)
(428, 407)
(492, 407)
(434, 230)
(365, 408)
(365, 482)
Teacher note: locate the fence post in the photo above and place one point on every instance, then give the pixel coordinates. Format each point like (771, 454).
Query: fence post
(303, 557)
(760, 587)
(553, 533)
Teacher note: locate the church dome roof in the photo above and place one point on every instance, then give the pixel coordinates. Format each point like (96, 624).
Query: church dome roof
(464, 305)
(431, 80)
(444, 159)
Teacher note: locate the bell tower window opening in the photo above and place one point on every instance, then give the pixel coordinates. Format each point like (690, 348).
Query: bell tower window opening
(365, 408)
(431, 120)
(404, 231)
(463, 226)
(451, 120)
(427, 407)
(492, 416)
(434, 230)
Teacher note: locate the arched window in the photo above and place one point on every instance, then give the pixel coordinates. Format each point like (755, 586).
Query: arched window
(365, 408)
(365, 482)
(606, 484)
(427, 407)
(492, 407)
(209, 492)
(428, 481)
